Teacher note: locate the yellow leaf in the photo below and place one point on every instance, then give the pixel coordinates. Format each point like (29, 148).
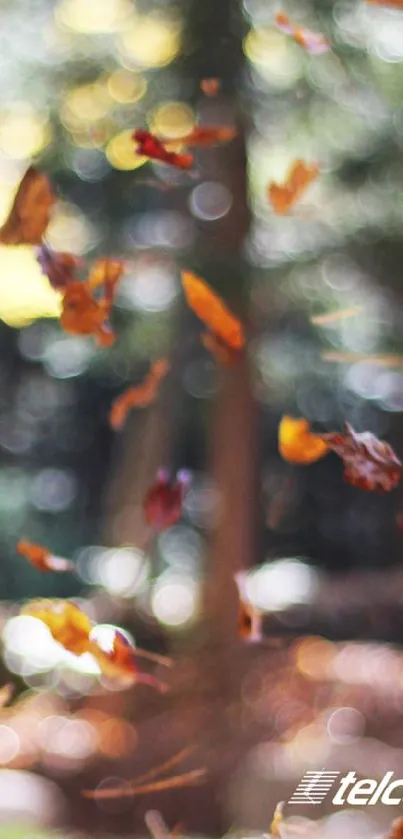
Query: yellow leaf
(296, 442)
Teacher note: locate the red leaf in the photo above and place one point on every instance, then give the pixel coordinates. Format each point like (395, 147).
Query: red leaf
(150, 146)
(162, 504)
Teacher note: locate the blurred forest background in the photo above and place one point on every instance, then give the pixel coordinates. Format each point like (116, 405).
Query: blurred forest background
(77, 76)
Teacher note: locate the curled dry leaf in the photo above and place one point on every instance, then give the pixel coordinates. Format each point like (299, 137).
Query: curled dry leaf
(148, 145)
(313, 42)
(369, 463)
(211, 309)
(300, 176)
(297, 444)
(139, 396)
(42, 559)
(210, 87)
(162, 504)
(205, 136)
(60, 268)
(30, 212)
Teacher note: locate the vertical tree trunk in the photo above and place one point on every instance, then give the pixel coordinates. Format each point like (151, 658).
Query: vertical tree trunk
(215, 36)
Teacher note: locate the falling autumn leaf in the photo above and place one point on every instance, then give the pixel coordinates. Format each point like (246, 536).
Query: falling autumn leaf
(300, 176)
(30, 212)
(60, 268)
(162, 504)
(313, 42)
(106, 273)
(150, 146)
(68, 624)
(209, 307)
(369, 463)
(297, 444)
(42, 559)
(205, 136)
(210, 87)
(139, 396)
(73, 629)
(120, 663)
(83, 315)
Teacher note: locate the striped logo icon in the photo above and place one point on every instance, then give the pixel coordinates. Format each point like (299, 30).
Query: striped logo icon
(313, 787)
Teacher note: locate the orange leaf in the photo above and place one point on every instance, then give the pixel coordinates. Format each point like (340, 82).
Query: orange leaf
(299, 178)
(41, 558)
(209, 307)
(139, 396)
(313, 42)
(297, 444)
(82, 315)
(393, 4)
(148, 145)
(210, 87)
(396, 830)
(30, 212)
(105, 272)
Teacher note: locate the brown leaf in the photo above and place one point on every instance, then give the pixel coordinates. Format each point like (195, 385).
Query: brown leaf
(30, 213)
(369, 463)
